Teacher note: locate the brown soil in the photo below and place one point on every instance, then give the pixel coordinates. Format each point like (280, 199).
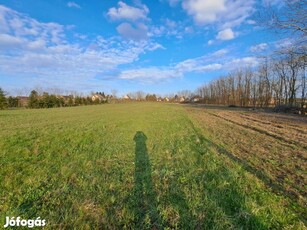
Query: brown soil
(271, 146)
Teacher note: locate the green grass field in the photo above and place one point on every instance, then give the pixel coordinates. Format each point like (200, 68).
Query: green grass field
(133, 166)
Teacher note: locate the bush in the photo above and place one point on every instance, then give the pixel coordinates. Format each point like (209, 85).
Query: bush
(3, 103)
(286, 109)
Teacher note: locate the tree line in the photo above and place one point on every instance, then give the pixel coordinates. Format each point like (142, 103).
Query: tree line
(46, 100)
(279, 80)
(8, 102)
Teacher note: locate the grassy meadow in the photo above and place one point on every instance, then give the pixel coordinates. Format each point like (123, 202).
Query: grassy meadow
(130, 166)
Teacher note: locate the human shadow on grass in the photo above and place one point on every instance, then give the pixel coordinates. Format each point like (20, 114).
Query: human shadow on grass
(146, 215)
(144, 203)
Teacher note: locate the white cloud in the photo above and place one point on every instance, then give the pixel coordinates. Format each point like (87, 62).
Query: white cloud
(273, 2)
(204, 11)
(258, 48)
(173, 3)
(238, 12)
(3, 25)
(251, 22)
(209, 67)
(227, 13)
(196, 65)
(224, 62)
(153, 74)
(11, 42)
(284, 43)
(157, 31)
(189, 30)
(156, 46)
(80, 36)
(19, 25)
(41, 50)
(73, 5)
(150, 74)
(241, 62)
(226, 34)
(210, 42)
(126, 12)
(170, 23)
(170, 28)
(130, 32)
(220, 53)
(38, 44)
(200, 65)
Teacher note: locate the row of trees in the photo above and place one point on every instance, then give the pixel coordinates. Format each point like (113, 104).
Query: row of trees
(8, 102)
(141, 96)
(46, 100)
(280, 80)
(52, 101)
(3, 101)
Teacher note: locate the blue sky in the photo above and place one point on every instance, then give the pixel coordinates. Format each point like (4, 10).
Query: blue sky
(157, 46)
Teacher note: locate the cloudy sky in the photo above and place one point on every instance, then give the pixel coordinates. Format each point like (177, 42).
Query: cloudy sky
(157, 46)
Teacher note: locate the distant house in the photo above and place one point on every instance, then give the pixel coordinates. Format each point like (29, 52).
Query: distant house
(159, 99)
(181, 99)
(166, 99)
(99, 97)
(66, 98)
(23, 101)
(126, 97)
(196, 99)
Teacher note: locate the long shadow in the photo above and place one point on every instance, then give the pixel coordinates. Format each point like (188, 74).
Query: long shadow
(216, 107)
(146, 215)
(276, 188)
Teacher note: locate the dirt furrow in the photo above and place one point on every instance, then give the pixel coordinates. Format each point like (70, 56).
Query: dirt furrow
(276, 161)
(291, 142)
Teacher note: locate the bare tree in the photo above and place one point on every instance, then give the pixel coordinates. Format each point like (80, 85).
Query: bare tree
(184, 93)
(114, 93)
(291, 17)
(278, 80)
(139, 95)
(303, 61)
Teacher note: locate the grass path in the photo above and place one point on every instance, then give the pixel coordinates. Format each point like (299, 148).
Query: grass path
(142, 165)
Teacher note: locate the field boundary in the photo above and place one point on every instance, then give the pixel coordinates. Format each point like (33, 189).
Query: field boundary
(289, 142)
(269, 183)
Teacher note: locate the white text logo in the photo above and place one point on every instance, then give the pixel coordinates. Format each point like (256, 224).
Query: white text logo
(24, 223)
